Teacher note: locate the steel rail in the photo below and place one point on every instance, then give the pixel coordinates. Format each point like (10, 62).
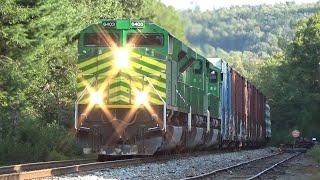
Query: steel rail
(201, 176)
(58, 171)
(18, 168)
(273, 166)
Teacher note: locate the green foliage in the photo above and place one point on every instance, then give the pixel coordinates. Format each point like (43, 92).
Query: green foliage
(13, 34)
(32, 142)
(314, 152)
(291, 81)
(259, 29)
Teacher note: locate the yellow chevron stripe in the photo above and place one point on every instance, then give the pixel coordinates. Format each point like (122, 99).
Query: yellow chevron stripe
(120, 89)
(152, 80)
(127, 99)
(134, 84)
(79, 75)
(152, 100)
(135, 55)
(82, 83)
(147, 69)
(118, 98)
(115, 89)
(155, 101)
(148, 60)
(82, 76)
(94, 59)
(97, 68)
(131, 73)
(85, 100)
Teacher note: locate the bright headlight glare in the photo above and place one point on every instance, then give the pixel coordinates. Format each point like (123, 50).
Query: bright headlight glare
(141, 97)
(96, 97)
(122, 58)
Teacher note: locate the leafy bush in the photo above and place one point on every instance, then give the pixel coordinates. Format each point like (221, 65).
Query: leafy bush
(68, 146)
(32, 142)
(56, 156)
(315, 153)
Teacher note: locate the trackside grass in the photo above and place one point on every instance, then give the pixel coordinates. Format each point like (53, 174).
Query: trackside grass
(314, 152)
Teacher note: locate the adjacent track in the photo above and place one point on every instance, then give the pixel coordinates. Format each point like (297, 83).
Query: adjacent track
(40, 165)
(248, 170)
(57, 171)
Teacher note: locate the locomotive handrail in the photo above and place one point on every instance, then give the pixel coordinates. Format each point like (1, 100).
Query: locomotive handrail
(189, 118)
(208, 121)
(190, 108)
(76, 105)
(177, 91)
(164, 106)
(182, 97)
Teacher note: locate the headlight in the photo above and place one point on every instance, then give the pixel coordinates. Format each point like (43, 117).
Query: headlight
(96, 97)
(141, 97)
(122, 58)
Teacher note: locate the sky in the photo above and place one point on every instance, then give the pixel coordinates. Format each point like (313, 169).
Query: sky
(210, 4)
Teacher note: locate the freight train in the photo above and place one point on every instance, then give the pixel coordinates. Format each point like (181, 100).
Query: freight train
(141, 91)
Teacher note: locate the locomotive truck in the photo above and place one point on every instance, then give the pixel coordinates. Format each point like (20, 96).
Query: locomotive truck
(141, 91)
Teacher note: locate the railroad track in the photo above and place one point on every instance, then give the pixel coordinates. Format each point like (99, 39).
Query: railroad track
(76, 168)
(57, 168)
(5, 171)
(248, 170)
(40, 165)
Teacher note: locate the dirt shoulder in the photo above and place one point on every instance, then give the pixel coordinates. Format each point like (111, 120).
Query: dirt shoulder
(299, 168)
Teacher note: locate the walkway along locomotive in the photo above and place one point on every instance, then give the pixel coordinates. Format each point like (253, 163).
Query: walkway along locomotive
(141, 91)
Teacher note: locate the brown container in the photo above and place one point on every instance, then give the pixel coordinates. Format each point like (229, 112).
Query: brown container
(248, 110)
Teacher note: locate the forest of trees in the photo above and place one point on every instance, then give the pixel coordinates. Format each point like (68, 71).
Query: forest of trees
(291, 82)
(38, 54)
(258, 29)
(277, 48)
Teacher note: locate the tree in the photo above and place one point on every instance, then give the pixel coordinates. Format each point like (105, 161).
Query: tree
(291, 81)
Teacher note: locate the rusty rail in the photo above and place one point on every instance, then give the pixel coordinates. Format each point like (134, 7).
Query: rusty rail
(202, 176)
(58, 171)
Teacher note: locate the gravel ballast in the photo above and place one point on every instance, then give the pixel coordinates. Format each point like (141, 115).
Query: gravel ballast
(176, 168)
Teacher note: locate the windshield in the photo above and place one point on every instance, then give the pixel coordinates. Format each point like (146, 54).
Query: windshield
(101, 39)
(145, 39)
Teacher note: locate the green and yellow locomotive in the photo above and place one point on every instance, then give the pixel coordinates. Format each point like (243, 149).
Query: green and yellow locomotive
(141, 91)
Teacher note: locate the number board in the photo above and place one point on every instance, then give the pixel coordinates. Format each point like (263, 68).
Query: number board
(109, 24)
(137, 24)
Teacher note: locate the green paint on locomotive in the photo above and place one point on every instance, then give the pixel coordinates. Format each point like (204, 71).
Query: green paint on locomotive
(96, 61)
(196, 86)
(182, 77)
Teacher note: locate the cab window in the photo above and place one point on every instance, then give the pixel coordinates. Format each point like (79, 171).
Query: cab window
(198, 67)
(145, 39)
(101, 39)
(213, 77)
